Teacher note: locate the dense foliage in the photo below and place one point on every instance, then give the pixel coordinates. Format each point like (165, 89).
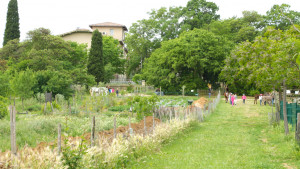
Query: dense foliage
(149, 38)
(164, 24)
(12, 29)
(194, 59)
(54, 64)
(265, 62)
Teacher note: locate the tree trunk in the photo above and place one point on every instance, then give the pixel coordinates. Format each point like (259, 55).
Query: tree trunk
(286, 126)
(280, 94)
(276, 99)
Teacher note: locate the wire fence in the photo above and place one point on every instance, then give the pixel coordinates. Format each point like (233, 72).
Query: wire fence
(163, 115)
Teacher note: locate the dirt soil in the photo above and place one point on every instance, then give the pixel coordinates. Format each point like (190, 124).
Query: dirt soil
(138, 128)
(200, 102)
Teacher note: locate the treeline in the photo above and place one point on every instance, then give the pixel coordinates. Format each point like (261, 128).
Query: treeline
(191, 46)
(47, 63)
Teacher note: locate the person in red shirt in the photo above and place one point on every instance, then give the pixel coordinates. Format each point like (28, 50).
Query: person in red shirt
(244, 98)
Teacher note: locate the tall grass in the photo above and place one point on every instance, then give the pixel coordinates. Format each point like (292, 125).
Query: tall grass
(32, 130)
(115, 155)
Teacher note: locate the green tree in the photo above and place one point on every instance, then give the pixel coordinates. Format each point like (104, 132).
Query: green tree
(266, 62)
(22, 84)
(12, 29)
(197, 13)
(113, 58)
(96, 61)
(4, 84)
(193, 59)
(48, 56)
(281, 17)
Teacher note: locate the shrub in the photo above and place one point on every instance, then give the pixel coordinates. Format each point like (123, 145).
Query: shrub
(129, 88)
(144, 106)
(34, 107)
(40, 97)
(3, 107)
(56, 105)
(119, 108)
(123, 92)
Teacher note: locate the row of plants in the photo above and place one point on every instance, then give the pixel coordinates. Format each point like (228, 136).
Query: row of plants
(119, 154)
(33, 129)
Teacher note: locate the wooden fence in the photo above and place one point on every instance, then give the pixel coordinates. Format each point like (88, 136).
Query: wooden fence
(165, 114)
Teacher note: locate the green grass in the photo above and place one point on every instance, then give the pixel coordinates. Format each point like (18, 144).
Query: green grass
(232, 137)
(32, 130)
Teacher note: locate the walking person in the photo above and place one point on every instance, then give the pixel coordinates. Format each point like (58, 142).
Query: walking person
(235, 99)
(244, 98)
(117, 92)
(232, 99)
(260, 98)
(209, 92)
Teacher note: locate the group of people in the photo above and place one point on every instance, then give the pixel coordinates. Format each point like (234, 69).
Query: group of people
(233, 98)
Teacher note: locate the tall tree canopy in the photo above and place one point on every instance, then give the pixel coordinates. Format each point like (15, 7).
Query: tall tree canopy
(164, 24)
(193, 59)
(12, 29)
(96, 61)
(113, 58)
(197, 13)
(265, 62)
(281, 17)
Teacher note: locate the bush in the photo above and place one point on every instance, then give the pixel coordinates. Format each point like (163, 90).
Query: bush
(3, 107)
(3, 110)
(119, 108)
(129, 88)
(34, 107)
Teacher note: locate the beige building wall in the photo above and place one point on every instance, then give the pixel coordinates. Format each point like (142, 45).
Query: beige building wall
(115, 32)
(79, 37)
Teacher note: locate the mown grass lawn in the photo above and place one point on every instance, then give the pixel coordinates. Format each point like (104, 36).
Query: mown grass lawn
(232, 137)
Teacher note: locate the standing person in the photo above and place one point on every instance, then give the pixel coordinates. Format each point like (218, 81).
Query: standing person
(117, 92)
(209, 92)
(232, 99)
(260, 98)
(229, 97)
(244, 98)
(235, 99)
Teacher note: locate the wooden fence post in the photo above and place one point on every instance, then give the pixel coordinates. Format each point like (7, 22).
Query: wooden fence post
(130, 129)
(170, 114)
(93, 132)
(13, 130)
(297, 134)
(59, 140)
(115, 128)
(160, 91)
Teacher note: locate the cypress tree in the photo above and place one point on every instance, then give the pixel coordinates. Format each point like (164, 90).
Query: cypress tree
(12, 29)
(95, 62)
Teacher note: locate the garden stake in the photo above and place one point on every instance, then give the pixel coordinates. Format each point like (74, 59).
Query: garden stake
(59, 140)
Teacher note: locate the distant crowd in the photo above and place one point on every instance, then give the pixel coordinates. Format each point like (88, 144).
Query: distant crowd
(232, 98)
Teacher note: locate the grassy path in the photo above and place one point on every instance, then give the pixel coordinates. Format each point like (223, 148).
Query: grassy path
(232, 137)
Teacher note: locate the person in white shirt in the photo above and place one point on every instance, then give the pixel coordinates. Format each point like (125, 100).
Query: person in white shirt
(260, 98)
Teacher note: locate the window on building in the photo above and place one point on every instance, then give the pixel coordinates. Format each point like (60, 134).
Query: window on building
(112, 32)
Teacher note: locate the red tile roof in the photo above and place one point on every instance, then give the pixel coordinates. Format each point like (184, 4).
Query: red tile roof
(78, 30)
(108, 24)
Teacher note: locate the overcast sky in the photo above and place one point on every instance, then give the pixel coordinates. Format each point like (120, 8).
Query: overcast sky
(61, 16)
